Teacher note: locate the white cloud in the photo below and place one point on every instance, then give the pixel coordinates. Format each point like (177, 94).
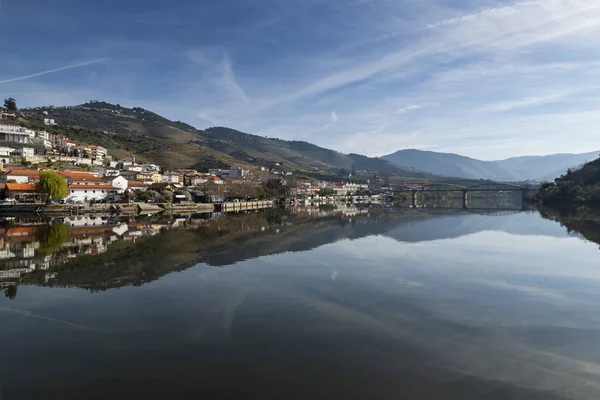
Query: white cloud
(51, 71)
(333, 119)
(410, 107)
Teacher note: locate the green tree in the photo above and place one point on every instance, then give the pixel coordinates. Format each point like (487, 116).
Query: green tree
(53, 185)
(10, 104)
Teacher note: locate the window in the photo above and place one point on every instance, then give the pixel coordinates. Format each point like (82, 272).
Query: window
(86, 191)
(93, 191)
(72, 191)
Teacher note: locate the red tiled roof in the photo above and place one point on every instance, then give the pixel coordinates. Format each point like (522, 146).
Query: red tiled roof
(23, 187)
(91, 187)
(24, 172)
(136, 184)
(77, 176)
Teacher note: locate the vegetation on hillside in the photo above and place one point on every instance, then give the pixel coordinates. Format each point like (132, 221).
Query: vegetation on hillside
(170, 154)
(580, 186)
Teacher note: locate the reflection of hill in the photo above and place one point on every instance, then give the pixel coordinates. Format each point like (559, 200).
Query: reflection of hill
(231, 239)
(581, 221)
(452, 226)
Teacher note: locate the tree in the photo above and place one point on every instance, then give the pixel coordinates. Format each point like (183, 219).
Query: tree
(53, 185)
(10, 104)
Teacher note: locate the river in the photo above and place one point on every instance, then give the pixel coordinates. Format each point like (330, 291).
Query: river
(303, 304)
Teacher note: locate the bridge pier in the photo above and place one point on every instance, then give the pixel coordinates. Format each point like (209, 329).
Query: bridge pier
(465, 199)
(413, 198)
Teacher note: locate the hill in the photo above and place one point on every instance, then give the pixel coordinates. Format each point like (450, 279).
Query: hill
(174, 143)
(580, 186)
(294, 154)
(540, 168)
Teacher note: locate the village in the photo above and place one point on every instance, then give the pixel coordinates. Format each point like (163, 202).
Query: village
(93, 176)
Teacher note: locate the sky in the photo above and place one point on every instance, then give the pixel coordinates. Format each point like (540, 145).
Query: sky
(489, 79)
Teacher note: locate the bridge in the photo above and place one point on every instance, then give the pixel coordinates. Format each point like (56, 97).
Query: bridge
(465, 192)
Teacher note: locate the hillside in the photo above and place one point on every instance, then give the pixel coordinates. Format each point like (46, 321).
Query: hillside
(293, 154)
(580, 186)
(154, 138)
(540, 168)
(148, 140)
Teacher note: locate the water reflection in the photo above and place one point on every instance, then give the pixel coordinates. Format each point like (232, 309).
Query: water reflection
(313, 303)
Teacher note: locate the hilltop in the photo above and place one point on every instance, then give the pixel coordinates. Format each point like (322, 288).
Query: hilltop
(579, 186)
(177, 144)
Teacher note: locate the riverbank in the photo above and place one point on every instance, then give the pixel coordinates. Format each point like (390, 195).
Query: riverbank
(57, 210)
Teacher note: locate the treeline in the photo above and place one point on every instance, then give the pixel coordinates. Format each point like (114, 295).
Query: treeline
(578, 186)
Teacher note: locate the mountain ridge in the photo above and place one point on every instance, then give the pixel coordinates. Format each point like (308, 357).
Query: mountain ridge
(185, 143)
(539, 168)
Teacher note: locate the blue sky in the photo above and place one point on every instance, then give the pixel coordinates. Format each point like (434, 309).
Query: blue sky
(489, 78)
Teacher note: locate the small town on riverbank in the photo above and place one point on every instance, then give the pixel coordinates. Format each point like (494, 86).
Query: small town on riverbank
(92, 176)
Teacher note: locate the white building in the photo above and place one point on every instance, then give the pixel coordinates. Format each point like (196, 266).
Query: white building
(132, 167)
(98, 152)
(49, 121)
(118, 182)
(6, 151)
(150, 168)
(14, 133)
(24, 152)
(78, 192)
(42, 142)
(237, 172)
(21, 176)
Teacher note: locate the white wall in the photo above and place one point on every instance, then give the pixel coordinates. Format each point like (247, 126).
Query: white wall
(81, 195)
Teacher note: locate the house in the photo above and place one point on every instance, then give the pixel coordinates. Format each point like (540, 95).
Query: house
(172, 177)
(24, 192)
(6, 152)
(129, 175)
(215, 179)
(137, 185)
(81, 178)
(237, 173)
(118, 182)
(161, 187)
(12, 132)
(149, 177)
(132, 167)
(49, 121)
(193, 180)
(42, 142)
(85, 192)
(98, 152)
(23, 152)
(21, 176)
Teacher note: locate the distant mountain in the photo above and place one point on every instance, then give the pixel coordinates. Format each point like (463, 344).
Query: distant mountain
(294, 154)
(540, 168)
(176, 144)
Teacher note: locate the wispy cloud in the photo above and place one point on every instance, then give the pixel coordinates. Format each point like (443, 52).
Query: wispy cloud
(408, 108)
(523, 103)
(51, 71)
(333, 119)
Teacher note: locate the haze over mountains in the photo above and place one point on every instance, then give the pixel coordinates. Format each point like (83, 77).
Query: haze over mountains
(539, 168)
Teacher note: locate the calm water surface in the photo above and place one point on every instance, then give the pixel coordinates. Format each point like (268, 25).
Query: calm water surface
(313, 305)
